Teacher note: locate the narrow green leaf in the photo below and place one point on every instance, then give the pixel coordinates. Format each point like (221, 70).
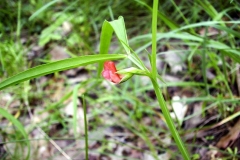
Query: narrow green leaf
(208, 8)
(164, 18)
(85, 125)
(206, 23)
(228, 30)
(169, 121)
(75, 111)
(42, 9)
(168, 21)
(231, 52)
(57, 66)
(50, 33)
(154, 39)
(19, 126)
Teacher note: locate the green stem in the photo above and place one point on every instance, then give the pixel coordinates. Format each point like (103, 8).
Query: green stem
(19, 20)
(86, 127)
(158, 92)
(204, 69)
(225, 74)
(169, 121)
(154, 38)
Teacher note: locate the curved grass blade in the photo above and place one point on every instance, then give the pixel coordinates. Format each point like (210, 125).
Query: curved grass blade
(57, 66)
(42, 9)
(18, 125)
(227, 50)
(163, 17)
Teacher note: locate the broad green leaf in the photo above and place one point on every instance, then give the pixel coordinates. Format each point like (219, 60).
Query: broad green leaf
(58, 66)
(18, 125)
(120, 30)
(106, 36)
(105, 41)
(118, 26)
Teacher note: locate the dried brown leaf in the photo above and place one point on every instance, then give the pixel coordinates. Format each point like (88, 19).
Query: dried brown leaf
(229, 139)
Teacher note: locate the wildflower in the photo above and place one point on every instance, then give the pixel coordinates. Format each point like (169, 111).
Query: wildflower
(109, 72)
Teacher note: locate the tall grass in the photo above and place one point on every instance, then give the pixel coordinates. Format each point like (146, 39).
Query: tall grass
(176, 25)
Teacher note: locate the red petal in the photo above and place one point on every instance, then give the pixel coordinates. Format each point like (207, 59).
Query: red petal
(109, 72)
(106, 74)
(115, 77)
(109, 65)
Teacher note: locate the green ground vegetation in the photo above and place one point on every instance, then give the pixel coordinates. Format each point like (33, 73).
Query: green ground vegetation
(201, 36)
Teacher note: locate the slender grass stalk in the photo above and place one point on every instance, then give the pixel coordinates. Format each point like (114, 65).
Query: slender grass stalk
(182, 15)
(204, 72)
(158, 92)
(19, 20)
(42, 9)
(225, 75)
(154, 38)
(85, 125)
(169, 121)
(75, 98)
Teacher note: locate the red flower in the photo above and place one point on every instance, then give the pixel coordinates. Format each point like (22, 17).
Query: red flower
(109, 72)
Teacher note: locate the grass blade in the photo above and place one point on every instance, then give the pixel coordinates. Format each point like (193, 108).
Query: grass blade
(42, 9)
(169, 121)
(57, 66)
(19, 126)
(154, 39)
(158, 92)
(85, 125)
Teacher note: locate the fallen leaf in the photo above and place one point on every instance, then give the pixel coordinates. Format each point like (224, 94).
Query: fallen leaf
(229, 139)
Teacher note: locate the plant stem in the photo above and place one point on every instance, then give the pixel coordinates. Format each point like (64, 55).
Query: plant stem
(85, 125)
(169, 121)
(19, 21)
(154, 38)
(158, 92)
(204, 64)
